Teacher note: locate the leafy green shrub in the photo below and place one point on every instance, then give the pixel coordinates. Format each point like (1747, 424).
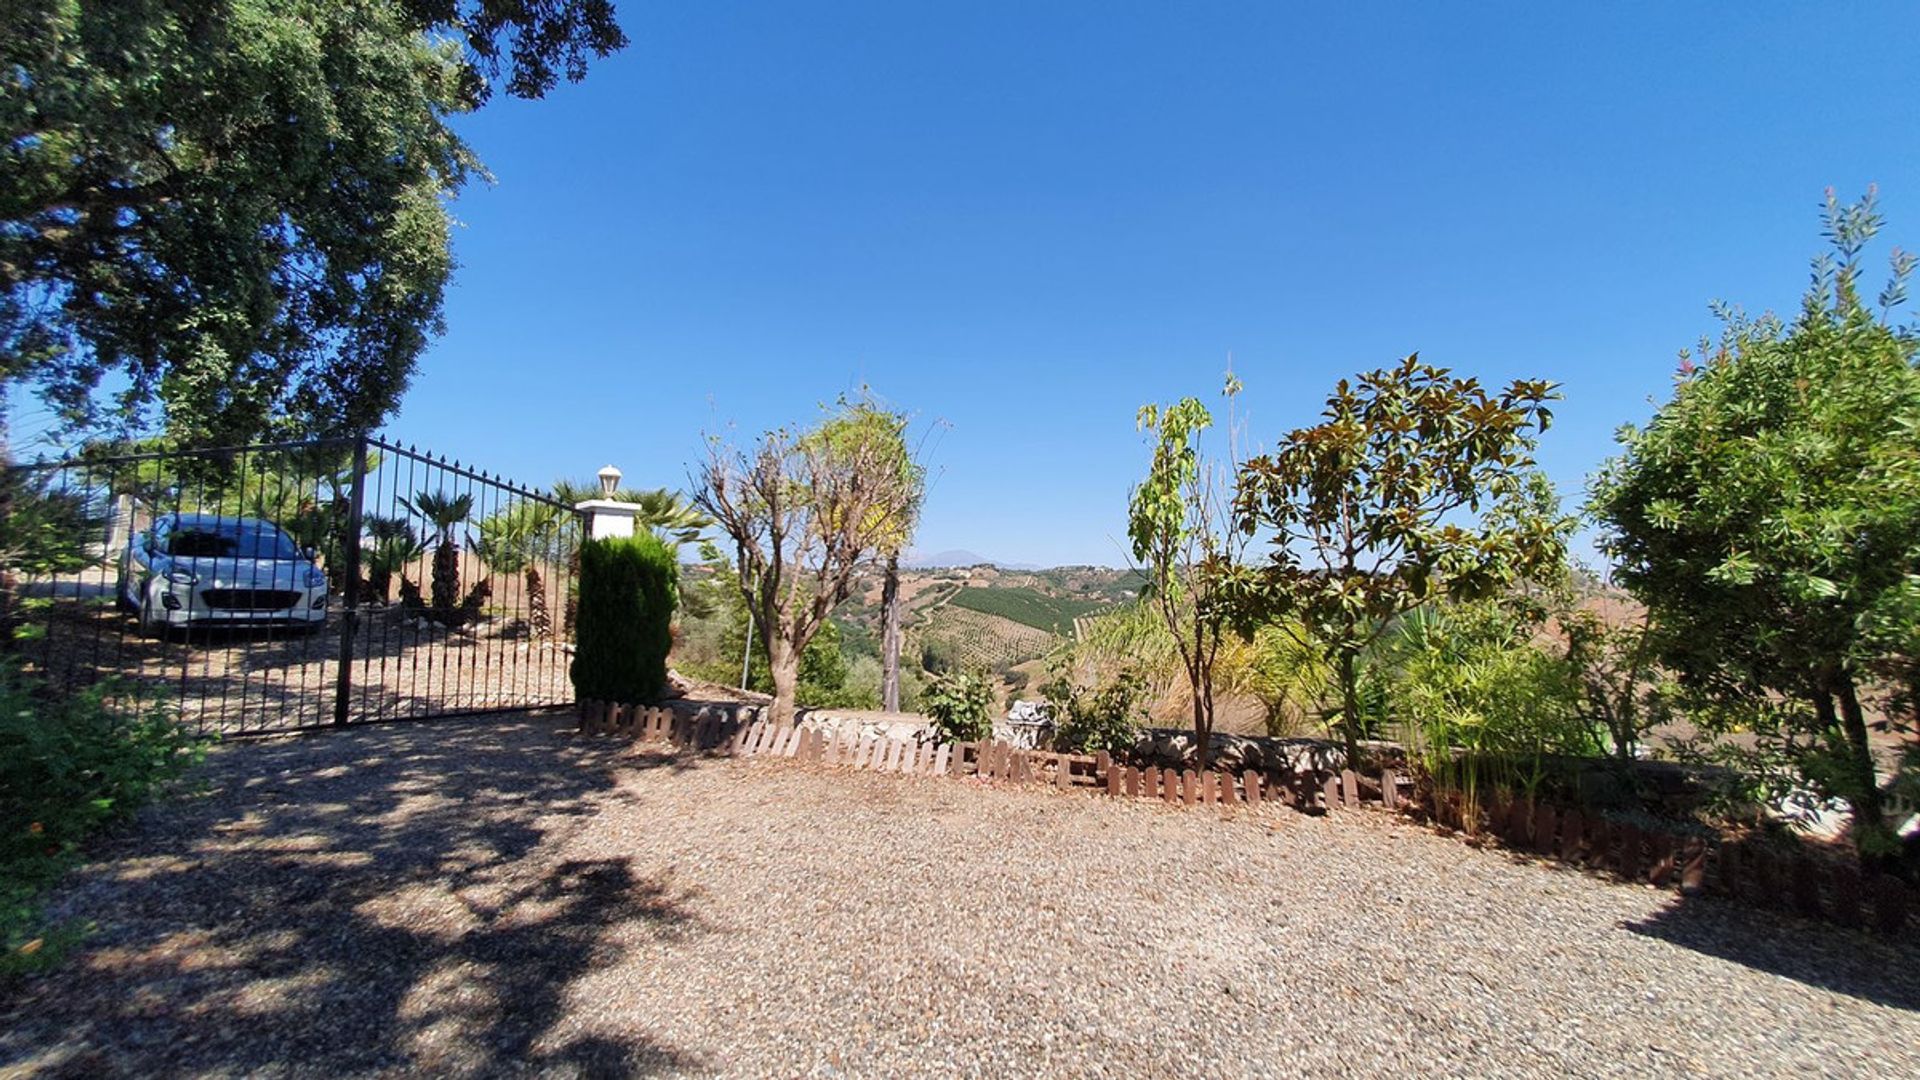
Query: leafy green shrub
(828, 679)
(1481, 701)
(46, 530)
(1105, 717)
(1766, 517)
(69, 766)
(938, 656)
(624, 627)
(960, 704)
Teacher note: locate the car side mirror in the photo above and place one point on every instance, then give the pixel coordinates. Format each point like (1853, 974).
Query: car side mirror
(310, 553)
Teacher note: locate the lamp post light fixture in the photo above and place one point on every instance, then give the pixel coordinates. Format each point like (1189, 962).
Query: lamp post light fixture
(607, 516)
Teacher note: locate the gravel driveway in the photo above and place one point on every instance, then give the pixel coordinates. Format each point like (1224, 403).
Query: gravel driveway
(479, 896)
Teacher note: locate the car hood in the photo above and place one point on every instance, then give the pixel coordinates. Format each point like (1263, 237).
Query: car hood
(242, 573)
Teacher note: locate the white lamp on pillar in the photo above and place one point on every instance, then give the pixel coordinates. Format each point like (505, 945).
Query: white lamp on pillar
(606, 516)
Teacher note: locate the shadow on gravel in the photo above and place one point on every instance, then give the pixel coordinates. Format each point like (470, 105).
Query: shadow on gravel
(1854, 963)
(379, 899)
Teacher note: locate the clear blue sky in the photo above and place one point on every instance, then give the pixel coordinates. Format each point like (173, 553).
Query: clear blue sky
(1025, 220)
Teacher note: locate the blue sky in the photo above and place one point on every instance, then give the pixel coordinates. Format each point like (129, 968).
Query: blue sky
(1024, 220)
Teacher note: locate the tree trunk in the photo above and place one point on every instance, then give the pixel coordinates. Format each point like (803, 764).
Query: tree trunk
(890, 637)
(446, 578)
(1202, 722)
(1350, 707)
(539, 621)
(1876, 844)
(783, 664)
(570, 606)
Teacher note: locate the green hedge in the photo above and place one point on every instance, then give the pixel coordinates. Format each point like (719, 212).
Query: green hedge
(623, 628)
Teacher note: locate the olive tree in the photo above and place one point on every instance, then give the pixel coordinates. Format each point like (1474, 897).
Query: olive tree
(1413, 487)
(807, 511)
(1768, 516)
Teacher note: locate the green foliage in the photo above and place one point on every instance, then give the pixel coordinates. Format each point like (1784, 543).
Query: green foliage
(522, 535)
(1158, 512)
(1181, 536)
(1624, 693)
(445, 513)
(388, 548)
(1279, 668)
(1104, 717)
(1027, 606)
(822, 665)
(1768, 516)
(826, 673)
(70, 765)
(865, 430)
(46, 530)
(238, 209)
(1479, 699)
(960, 704)
(623, 630)
(938, 656)
(962, 637)
(442, 511)
(1369, 513)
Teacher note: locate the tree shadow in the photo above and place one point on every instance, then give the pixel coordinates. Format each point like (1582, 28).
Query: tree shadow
(379, 899)
(1851, 962)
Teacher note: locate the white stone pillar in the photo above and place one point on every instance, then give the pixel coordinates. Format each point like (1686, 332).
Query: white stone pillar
(607, 517)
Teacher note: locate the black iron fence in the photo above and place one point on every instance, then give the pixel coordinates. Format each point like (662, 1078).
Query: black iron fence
(279, 587)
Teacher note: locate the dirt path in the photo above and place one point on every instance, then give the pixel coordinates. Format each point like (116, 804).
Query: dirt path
(482, 896)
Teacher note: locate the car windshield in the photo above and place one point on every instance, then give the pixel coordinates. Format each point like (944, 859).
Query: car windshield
(230, 542)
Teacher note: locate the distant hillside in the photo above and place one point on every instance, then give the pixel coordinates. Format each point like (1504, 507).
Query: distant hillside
(1001, 618)
(1028, 606)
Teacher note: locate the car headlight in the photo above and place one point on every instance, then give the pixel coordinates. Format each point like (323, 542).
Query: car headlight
(316, 579)
(181, 577)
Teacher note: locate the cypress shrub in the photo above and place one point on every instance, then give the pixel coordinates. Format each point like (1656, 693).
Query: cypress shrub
(623, 628)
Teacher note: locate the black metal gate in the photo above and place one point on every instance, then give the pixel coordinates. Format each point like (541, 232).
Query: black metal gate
(281, 587)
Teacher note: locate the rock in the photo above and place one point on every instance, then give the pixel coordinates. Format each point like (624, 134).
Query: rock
(1028, 724)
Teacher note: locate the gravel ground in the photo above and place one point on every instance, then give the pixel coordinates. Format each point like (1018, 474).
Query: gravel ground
(248, 679)
(483, 896)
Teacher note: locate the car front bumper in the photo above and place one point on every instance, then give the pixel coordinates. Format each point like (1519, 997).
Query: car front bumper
(181, 605)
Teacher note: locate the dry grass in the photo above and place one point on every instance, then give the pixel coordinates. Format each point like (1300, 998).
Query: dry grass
(483, 896)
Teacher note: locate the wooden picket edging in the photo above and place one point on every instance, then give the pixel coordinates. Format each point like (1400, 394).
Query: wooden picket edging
(741, 731)
(1740, 870)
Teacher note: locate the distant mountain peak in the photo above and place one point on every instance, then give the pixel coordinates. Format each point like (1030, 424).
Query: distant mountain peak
(941, 560)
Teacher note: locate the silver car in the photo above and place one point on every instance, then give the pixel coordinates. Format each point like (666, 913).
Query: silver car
(208, 569)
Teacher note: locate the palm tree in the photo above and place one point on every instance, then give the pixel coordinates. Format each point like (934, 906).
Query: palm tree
(394, 546)
(519, 540)
(445, 512)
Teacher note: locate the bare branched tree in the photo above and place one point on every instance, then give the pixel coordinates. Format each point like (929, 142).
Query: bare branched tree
(806, 512)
